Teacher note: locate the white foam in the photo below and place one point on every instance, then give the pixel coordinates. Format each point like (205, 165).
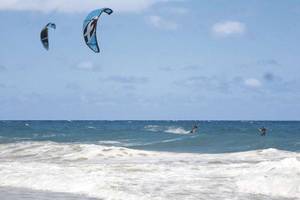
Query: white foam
(171, 129)
(109, 142)
(279, 178)
(177, 130)
(153, 128)
(91, 127)
(122, 173)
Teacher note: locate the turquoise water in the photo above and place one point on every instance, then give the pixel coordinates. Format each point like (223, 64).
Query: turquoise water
(174, 136)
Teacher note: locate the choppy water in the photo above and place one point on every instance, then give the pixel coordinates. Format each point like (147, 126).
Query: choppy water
(149, 160)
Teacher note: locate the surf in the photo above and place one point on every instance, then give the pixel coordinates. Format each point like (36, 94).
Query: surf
(118, 172)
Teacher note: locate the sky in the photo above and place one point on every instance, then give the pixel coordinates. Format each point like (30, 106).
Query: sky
(159, 60)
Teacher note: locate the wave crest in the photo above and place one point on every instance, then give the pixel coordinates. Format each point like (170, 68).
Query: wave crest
(177, 130)
(169, 129)
(122, 173)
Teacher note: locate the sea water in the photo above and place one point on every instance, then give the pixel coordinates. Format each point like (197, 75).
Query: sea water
(149, 160)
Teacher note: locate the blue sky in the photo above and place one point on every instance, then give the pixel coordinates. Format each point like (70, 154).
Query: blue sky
(160, 59)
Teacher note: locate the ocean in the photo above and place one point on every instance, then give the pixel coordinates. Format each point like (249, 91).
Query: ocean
(151, 160)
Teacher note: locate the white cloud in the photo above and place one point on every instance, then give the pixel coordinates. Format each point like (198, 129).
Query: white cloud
(161, 23)
(177, 10)
(87, 66)
(71, 6)
(228, 28)
(128, 79)
(252, 82)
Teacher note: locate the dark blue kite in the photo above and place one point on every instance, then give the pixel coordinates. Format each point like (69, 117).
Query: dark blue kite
(90, 27)
(44, 35)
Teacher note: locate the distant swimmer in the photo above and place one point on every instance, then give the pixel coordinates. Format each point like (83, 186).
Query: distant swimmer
(263, 131)
(194, 129)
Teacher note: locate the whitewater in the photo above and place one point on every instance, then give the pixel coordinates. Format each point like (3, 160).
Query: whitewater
(118, 167)
(121, 173)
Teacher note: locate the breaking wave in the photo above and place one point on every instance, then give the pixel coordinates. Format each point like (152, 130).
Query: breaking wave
(123, 173)
(168, 129)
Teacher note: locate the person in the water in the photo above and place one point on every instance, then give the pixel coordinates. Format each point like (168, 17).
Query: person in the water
(263, 131)
(194, 129)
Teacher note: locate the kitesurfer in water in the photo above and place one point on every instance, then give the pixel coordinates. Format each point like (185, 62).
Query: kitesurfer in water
(194, 129)
(263, 131)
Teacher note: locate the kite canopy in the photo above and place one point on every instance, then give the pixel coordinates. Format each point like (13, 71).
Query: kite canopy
(44, 35)
(89, 28)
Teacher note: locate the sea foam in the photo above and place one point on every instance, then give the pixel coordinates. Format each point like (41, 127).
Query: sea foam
(122, 173)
